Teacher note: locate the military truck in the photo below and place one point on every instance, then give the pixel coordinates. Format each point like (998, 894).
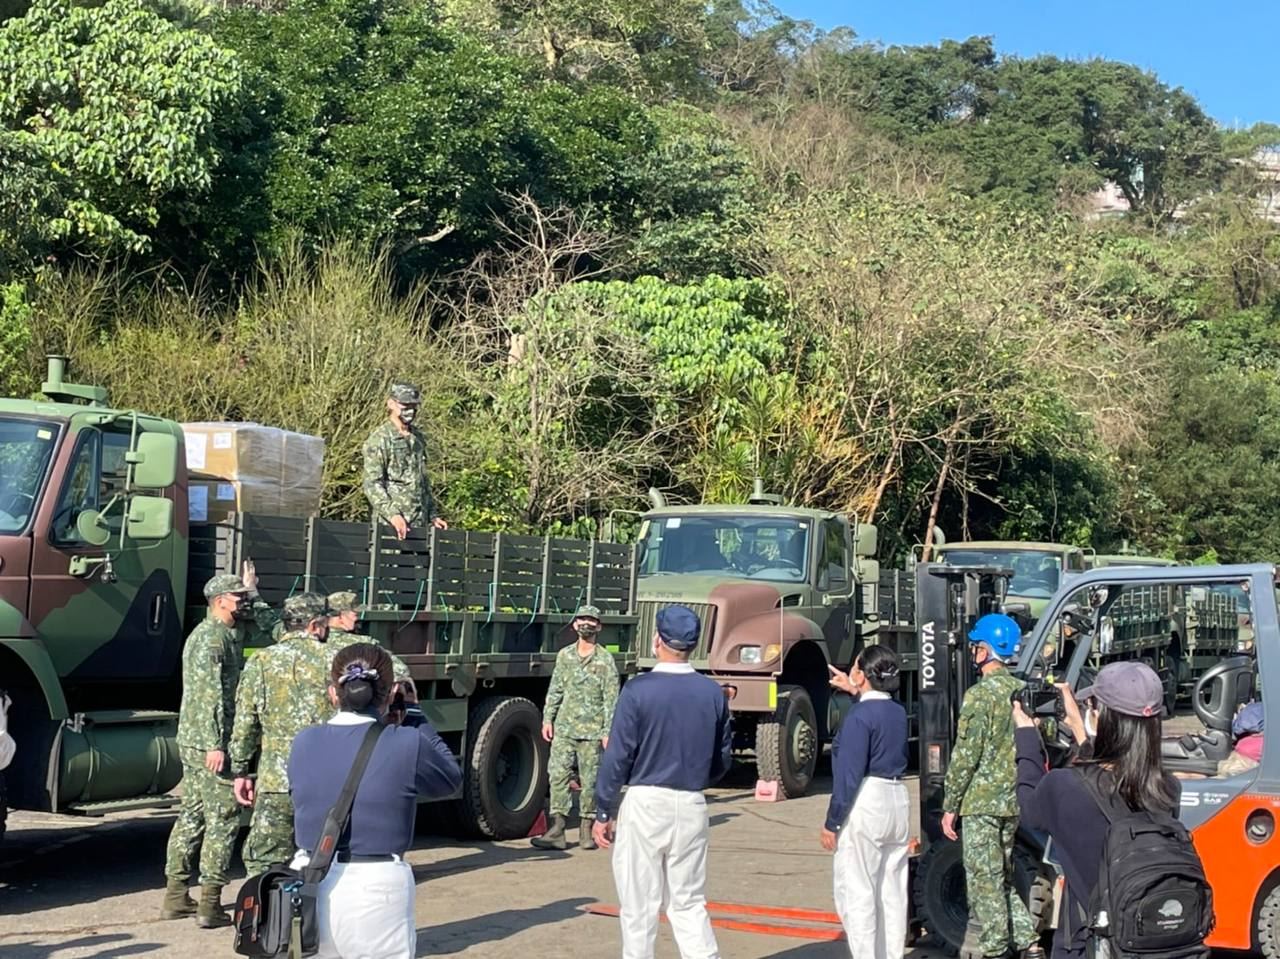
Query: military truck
(100, 580)
(782, 592)
(1038, 568)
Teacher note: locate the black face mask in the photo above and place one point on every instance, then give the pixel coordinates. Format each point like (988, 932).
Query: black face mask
(408, 414)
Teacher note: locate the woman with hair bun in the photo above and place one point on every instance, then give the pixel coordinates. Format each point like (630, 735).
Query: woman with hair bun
(365, 903)
(868, 825)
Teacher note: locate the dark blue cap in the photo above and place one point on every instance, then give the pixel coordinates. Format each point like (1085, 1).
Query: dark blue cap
(678, 627)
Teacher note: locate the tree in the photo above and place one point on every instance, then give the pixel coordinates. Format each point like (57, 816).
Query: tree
(106, 112)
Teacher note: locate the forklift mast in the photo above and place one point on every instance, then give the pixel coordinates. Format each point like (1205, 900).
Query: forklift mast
(949, 600)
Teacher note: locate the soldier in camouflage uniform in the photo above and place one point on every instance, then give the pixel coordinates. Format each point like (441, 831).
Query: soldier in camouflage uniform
(342, 632)
(979, 787)
(209, 818)
(576, 721)
(283, 690)
(395, 467)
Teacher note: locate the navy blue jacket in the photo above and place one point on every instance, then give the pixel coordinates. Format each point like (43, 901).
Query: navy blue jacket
(670, 728)
(872, 741)
(406, 763)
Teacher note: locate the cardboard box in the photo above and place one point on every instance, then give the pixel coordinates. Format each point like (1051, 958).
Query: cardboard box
(250, 468)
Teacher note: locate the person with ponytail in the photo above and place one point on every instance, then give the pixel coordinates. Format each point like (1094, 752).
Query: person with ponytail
(365, 904)
(868, 818)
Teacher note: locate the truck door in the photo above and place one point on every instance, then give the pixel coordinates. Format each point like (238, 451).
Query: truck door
(836, 589)
(112, 624)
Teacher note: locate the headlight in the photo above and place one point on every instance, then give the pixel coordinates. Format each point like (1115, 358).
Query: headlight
(749, 655)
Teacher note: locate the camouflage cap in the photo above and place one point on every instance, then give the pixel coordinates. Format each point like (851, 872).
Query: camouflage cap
(305, 607)
(344, 600)
(224, 583)
(404, 394)
(587, 611)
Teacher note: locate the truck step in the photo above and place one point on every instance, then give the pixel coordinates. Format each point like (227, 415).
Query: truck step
(120, 805)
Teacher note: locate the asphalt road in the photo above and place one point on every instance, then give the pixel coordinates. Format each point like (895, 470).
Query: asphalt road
(91, 889)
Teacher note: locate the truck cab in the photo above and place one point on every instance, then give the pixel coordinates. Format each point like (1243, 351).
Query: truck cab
(781, 593)
(1038, 568)
(92, 578)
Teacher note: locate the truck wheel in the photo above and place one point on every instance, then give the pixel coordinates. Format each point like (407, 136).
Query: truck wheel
(940, 895)
(787, 744)
(1268, 931)
(504, 778)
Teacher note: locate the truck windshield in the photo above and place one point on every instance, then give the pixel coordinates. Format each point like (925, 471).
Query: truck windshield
(751, 547)
(25, 448)
(1036, 574)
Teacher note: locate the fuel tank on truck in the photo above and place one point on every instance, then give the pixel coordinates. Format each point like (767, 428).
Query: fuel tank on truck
(117, 754)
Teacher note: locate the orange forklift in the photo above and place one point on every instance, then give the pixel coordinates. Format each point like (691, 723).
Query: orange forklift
(1233, 818)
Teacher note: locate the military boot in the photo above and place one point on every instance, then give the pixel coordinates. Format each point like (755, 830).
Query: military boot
(210, 914)
(553, 838)
(177, 903)
(585, 839)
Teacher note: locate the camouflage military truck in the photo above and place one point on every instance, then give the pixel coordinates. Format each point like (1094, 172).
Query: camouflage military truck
(100, 580)
(782, 592)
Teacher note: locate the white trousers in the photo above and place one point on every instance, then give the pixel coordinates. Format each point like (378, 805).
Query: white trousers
(660, 863)
(871, 871)
(365, 910)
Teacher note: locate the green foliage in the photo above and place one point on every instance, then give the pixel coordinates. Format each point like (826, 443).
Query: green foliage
(15, 341)
(106, 110)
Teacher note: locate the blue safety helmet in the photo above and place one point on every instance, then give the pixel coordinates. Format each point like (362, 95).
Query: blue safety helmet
(999, 633)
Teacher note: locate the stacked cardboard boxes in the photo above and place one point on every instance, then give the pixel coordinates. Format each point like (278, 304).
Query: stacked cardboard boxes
(250, 468)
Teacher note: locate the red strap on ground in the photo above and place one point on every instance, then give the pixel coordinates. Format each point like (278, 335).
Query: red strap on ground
(759, 928)
(774, 912)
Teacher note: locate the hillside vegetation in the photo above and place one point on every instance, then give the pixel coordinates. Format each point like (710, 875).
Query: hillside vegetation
(656, 243)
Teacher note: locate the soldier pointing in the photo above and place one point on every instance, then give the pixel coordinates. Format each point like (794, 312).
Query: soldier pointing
(576, 720)
(209, 818)
(395, 467)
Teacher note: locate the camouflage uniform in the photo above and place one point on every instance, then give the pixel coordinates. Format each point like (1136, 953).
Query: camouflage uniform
(283, 690)
(341, 602)
(209, 817)
(580, 703)
(395, 476)
(979, 787)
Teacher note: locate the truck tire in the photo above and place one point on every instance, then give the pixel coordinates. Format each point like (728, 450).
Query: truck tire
(504, 776)
(940, 897)
(787, 744)
(1268, 929)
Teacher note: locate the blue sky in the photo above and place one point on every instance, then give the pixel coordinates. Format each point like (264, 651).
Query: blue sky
(1225, 54)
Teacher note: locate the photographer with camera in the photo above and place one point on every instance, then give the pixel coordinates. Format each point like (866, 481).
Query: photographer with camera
(1125, 772)
(365, 903)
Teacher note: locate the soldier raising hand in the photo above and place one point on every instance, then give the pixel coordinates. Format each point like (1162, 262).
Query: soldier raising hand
(395, 467)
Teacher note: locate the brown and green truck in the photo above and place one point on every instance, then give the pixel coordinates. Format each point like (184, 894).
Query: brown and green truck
(782, 593)
(101, 572)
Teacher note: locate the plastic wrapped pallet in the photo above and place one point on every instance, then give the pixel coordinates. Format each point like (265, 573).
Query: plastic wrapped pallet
(250, 468)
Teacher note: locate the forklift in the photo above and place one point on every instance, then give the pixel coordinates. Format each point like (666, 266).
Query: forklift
(1232, 818)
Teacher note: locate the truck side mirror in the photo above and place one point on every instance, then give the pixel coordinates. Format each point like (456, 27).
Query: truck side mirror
(154, 460)
(150, 518)
(91, 529)
(864, 540)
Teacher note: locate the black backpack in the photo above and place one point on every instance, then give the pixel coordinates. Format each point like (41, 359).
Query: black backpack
(1152, 900)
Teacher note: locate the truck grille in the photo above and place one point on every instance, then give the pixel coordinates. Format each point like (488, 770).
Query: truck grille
(648, 625)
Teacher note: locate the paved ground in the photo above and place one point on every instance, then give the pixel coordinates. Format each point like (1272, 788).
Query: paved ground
(91, 889)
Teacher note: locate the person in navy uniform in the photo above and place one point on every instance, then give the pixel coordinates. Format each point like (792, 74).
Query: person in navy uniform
(670, 739)
(868, 817)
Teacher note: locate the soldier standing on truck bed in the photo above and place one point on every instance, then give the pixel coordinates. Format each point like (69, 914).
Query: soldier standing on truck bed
(576, 720)
(209, 817)
(979, 787)
(395, 467)
(283, 690)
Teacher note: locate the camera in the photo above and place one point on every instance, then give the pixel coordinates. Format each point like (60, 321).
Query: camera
(1040, 700)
